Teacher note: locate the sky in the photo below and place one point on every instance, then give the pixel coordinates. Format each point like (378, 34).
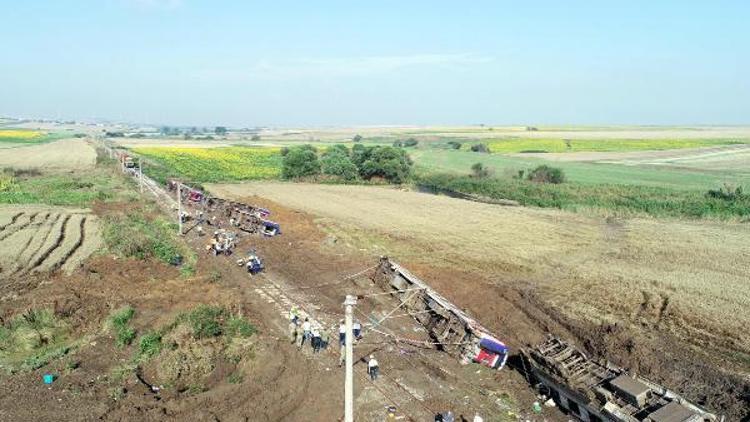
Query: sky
(344, 63)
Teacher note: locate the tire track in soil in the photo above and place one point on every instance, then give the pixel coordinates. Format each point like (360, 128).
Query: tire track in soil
(74, 248)
(19, 265)
(83, 250)
(60, 239)
(32, 217)
(12, 220)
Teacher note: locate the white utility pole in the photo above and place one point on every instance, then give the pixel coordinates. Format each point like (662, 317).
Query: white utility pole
(179, 206)
(349, 382)
(140, 174)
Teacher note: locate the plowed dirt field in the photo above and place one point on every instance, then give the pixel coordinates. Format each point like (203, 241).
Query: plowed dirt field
(38, 239)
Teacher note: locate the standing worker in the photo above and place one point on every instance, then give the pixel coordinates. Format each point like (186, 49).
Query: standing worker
(357, 329)
(315, 333)
(372, 368)
(306, 328)
(342, 333)
(294, 314)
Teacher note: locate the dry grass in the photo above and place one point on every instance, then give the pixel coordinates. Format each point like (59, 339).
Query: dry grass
(67, 154)
(690, 277)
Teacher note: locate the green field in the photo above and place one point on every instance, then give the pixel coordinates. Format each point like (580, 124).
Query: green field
(459, 162)
(13, 137)
(554, 145)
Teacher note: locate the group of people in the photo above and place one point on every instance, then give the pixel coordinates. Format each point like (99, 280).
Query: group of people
(301, 332)
(221, 243)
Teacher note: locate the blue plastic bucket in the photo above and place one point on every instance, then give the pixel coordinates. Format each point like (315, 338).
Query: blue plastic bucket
(48, 378)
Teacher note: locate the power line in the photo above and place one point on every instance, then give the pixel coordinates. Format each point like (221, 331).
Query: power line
(349, 277)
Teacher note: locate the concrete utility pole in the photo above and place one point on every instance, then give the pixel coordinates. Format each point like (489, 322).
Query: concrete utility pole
(349, 382)
(179, 207)
(140, 174)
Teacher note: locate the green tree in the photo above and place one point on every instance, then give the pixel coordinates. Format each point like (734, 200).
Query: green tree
(360, 154)
(336, 162)
(300, 161)
(220, 130)
(392, 164)
(357, 138)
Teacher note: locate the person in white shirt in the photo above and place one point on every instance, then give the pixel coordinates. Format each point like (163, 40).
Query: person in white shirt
(357, 330)
(342, 333)
(315, 333)
(372, 368)
(306, 328)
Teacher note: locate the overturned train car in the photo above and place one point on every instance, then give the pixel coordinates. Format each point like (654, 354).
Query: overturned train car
(248, 218)
(599, 391)
(457, 333)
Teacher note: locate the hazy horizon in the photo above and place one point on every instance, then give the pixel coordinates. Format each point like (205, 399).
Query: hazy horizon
(339, 64)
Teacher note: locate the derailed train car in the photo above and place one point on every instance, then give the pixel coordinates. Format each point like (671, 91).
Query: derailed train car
(453, 330)
(599, 391)
(246, 217)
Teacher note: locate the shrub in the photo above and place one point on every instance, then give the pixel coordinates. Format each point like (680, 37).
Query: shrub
(546, 174)
(336, 162)
(206, 321)
(726, 192)
(357, 138)
(124, 334)
(411, 142)
(479, 170)
(480, 148)
(238, 326)
(454, 144)
(390, 163)
(122, 316)
(149, 346)
(360, 154)
(299, 162)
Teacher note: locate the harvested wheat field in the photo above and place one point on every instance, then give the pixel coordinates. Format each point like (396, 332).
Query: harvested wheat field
(41, 239)
(67, 154)
(690, 278)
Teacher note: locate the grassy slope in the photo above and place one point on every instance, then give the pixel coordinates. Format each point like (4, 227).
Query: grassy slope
(67, 190)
